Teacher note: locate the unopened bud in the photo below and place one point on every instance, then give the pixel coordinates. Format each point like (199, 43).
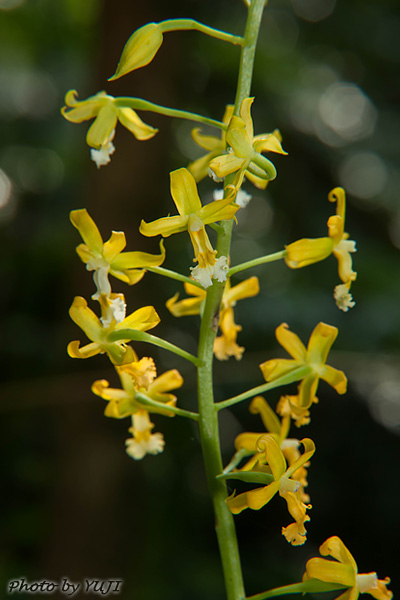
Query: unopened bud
(139, 50)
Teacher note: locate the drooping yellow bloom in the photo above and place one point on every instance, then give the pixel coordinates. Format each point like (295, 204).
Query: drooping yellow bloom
(344, 571)
(139, 50)
(105, 112)
(314, 356)
(308, 251)
(140, 376)
(224, 345)
(113, 318)
(279, 428)
(245, 158)
(192, 218)
(104, 258)
(283, 483)
(215, 145)
(288, 406)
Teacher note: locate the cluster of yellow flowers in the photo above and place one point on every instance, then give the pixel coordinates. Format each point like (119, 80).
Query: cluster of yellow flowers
(271, 458)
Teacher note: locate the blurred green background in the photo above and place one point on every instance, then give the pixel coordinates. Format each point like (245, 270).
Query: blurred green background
(74, 504)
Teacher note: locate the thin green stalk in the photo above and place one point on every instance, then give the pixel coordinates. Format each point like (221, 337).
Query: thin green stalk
(312, 586)
(261, 389)
(184, 24)
(140, 104)
(141, 336)
(257, 261)
(145, 400)
(208, 421)
(174, 275)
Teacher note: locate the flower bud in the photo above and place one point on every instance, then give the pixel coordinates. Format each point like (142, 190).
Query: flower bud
(139, 50)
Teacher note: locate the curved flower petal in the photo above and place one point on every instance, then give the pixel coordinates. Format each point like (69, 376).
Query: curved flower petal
(184, 192)
(131, 120)
(337, 379)
(245, 289)
(75, 351)
(320, 343)
(208, 142)
(114, 246)
(330, 571)
(165, 226)
(259, 406)
(88, 229)
(334, 547)
(102, 127)
(170, 380)
(142, 319)
(185, 307)
(259, 497)
(278, 367)
(273, 455)
(291, 342)
(86, 319)
(138, 260)
(101, 388)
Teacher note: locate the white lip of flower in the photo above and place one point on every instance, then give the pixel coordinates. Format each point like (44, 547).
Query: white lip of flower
(204, 275)
(103, 156)
(242, 197)
(367, 581)
(288, 485)
(290, 443)
(343, 298)
(116, 312)
(138, 450)
(214, 176)
(100, 277)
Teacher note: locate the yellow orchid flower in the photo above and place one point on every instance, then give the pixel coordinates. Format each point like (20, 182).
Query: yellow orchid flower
(224, 345)
(279, 428)
(314, 356)
(192, 218)
(305, 252)
(283, 483)
(138, 376)
(104, 258)
(113, 318)
(245, 158)
(344, 571)
(106, 113)
(143, 441)
(288, 406)
(200, 168)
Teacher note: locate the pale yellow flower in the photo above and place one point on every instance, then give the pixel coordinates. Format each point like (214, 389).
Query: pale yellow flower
(314, 357)
(113, 319)
(305, 252)
(224, 345)
(244, 156)
(104, 258)
(344, 571)
(192, 218)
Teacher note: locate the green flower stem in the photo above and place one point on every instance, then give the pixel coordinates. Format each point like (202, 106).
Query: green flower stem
(143, 399)
(141, 336)
(312, 586)
(140, 104)
(208, 421)
(295, 375)
(184, 24)
(257, 261)
(174, 275)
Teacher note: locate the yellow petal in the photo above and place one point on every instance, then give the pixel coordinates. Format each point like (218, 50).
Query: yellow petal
(237, 503)
(139, 50)
(101, 388)
(199, 168)
(261, 407)
(320, 343)
(306, 252)
(334, 547)
(129, 276)
(219, 210)
(87, 351)
(86, 319)
(337, 379)
(260, 182)
(114, 246)
(291, 342)
(102, 127)
(278, 367)
(258, 498)
(309, 449)
(245, 114)
(184, 192)
(183, 308)
(137, 260)
(170, 380)
(338, 195)
(88, 229)
(77, 112)
(273, 455)
(247, 441)
(381, 592)
(245, 289)
(142, 319)
(268, 142)
(307, 390)
(208, 142)
(129, 119)
(165, 226)
(330, 571)
(226, 164)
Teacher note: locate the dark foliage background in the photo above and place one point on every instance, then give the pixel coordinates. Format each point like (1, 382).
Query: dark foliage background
(74, 504)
